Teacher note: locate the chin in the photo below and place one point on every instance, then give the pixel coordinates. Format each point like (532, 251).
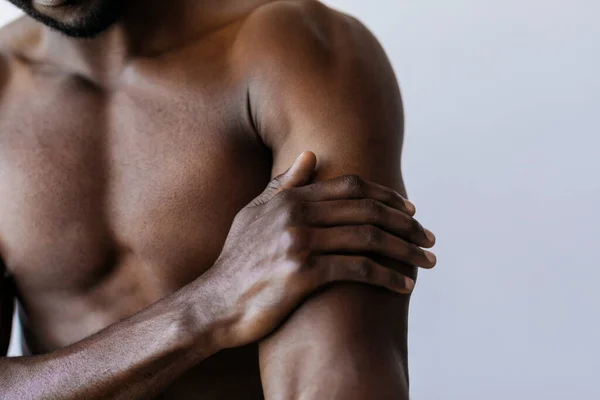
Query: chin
(75, 18)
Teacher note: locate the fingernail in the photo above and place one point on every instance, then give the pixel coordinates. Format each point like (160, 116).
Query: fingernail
(410, 207)
(430, 235)
(431, 257)
(409, 283)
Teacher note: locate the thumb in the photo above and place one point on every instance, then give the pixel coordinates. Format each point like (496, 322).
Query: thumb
(299, 174)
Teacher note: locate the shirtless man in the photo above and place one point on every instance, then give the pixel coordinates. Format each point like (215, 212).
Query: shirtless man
(152, 253)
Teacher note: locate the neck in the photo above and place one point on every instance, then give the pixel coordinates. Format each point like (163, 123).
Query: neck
(146, 29)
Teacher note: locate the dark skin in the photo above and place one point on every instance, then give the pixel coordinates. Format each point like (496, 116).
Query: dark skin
(148, 226)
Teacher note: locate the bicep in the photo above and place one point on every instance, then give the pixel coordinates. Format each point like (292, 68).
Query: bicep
(351, 333)
(7, 295)
(346, 107)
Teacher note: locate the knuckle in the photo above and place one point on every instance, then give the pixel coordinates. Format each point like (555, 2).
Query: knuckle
(398, 280)
(391, 195)
(286, 206)
(296, 211)
(314, 188)
(355, 185)
(374, 209)
(394, 279)
(285, 214)
(296, 241)
(362, 267)
(285, 196)
(292, 265)
(372, 235)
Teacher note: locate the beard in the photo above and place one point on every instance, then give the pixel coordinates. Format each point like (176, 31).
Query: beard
(78, 18)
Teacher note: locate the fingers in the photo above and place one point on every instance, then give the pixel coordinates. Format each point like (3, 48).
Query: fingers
(368, 211)
(369, 239)
(338, 268)
(354, 187)
(297, 175)
(300, 173)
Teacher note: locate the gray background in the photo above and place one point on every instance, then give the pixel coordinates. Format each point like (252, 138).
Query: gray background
(502, 101)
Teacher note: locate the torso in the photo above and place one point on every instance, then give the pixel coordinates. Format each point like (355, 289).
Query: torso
(111, 200)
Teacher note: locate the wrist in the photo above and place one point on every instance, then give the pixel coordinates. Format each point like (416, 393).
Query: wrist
(208, 317)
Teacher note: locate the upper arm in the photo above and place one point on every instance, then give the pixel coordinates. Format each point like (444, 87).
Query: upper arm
(322, 82)
(326, 85)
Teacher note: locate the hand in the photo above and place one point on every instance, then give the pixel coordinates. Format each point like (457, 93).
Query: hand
(295, 238)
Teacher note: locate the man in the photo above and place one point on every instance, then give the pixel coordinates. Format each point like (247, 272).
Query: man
(149, 261)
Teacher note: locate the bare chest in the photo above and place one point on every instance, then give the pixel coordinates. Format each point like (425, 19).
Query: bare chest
(131, 192)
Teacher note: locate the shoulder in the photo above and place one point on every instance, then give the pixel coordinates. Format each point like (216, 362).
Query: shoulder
(18, 41)
(304, 21)
(297, 53)
(20, 36)
(303, 33)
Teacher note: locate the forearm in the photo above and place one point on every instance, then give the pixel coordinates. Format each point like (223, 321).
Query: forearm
(133, 359)
(346, 343)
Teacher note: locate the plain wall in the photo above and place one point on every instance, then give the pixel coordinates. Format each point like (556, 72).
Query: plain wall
(501, 157)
